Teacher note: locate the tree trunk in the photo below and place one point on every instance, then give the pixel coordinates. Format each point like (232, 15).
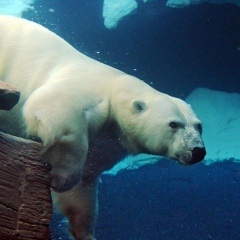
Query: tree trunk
(25, 198)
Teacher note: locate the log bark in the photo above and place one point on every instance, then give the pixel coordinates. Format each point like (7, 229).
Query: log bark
(9, 96)
(25, 200)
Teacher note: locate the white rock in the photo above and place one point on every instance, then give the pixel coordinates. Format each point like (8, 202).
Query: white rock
(220, 114)
(115, 10)
(15, 7)
(185, 3)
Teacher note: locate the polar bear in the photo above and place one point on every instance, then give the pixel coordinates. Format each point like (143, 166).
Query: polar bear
(88, 116)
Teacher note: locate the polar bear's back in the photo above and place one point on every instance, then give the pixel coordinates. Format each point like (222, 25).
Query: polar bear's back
(30, 53)
(19, 34)
(27, 45)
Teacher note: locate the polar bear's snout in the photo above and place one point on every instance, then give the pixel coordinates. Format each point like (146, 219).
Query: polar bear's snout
(189, 157)
(198, 154)
(194, 141)
(193, 150)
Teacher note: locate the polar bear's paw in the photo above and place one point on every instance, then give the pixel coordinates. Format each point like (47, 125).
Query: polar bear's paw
(66, 156)
(83, 236)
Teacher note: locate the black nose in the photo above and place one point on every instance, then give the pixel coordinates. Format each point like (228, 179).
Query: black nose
(198, 154)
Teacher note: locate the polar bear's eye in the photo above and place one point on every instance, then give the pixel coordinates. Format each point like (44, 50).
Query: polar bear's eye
(173, 125)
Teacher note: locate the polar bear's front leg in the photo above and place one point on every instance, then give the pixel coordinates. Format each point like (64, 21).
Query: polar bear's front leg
(81, 207)
(66, 156)
(62, 127)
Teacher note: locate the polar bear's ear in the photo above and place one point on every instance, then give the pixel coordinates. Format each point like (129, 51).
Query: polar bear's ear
(138, 106)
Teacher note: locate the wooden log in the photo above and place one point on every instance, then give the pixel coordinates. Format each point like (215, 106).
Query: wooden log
(25, 200)
(9, 96)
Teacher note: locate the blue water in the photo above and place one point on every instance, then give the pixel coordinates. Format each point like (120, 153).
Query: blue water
(170, 202)
(176, 51)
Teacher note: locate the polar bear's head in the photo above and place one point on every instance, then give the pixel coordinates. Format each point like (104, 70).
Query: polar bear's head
(162, 125)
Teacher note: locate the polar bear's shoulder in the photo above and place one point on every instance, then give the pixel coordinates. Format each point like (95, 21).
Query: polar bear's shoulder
(23, 34)
(16, 24)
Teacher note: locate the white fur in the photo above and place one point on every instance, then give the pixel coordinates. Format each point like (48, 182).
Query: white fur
(87, 114)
